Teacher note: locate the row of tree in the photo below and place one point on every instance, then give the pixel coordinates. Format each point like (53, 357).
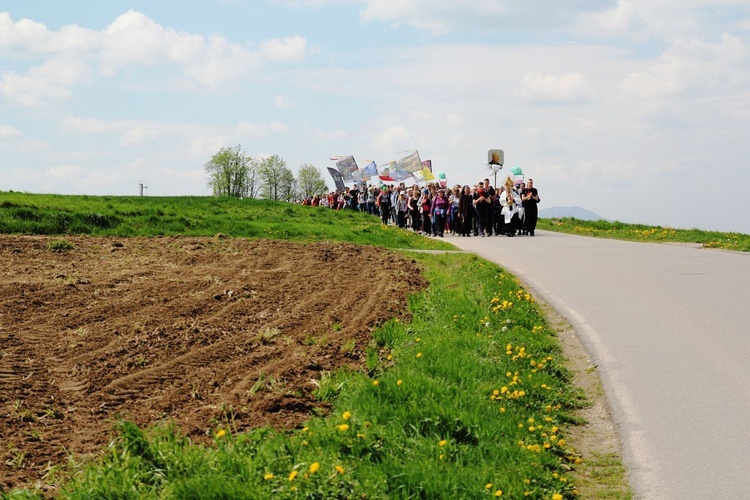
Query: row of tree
(233, 173)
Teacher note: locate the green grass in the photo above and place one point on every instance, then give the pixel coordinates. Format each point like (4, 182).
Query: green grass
(22, 213)
(471, 393)
(639, 232)
(469, 399)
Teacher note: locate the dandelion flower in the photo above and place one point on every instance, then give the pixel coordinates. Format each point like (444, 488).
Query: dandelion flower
(314, 467)
(339, 469)
(419, 339)
(375, 382)
(488, 486)
(419, 354)
(347, 415)
(292, 475)
(499, 493)
(221, 433)
(343, 427)
(443, 442)
(557, 496)
(268, 476)
(399, 382)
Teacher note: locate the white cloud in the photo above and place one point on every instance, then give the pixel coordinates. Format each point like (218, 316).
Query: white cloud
(293, 48)
(132, 40)
(394, 138)
(569, 87)
(253, 129)
(138, 135)
(282, 102)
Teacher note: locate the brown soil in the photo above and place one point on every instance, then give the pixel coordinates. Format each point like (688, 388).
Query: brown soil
(176, 329)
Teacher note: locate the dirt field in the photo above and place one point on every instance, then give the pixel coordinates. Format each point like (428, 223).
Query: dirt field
(175, 328)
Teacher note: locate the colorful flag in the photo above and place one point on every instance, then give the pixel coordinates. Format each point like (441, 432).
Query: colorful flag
(427, 174)
(347, 166)
(427, 164)
(337, 178)
(411, 163)
(371, 170)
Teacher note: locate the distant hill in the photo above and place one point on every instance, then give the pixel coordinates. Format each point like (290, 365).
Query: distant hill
(577, 212)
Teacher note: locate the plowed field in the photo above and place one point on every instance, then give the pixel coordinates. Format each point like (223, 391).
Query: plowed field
(180, 329)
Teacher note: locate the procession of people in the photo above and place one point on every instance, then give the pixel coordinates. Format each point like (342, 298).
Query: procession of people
(434, 210)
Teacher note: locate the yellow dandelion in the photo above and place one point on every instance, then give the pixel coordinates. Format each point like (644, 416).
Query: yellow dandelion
(389, 357)
(502, 409)
(419, 354)
(557, 496)
(443, 442)
(419, 339)
(268, 476)
(488, 486)
(339, 469)
(347, 415)
(399, 382)
(220, 433)
(499, 493)
(343, 427)
(314, 467)
(375, 382)
(292, 475)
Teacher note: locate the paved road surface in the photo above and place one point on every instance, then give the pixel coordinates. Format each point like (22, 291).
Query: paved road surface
(669, 327)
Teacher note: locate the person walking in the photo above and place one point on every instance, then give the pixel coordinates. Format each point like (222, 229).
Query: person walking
(466, 211)
(530, 199)
(438, 212)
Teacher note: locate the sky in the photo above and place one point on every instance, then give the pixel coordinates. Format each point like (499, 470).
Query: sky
(638, 110)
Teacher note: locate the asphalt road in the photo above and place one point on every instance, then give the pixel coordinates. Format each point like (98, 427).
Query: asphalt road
(669, 328)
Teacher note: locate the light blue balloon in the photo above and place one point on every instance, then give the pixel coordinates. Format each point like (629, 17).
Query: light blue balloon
(517, 170)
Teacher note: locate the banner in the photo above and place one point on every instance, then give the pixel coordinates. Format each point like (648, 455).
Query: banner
(347, 166)
(337, 178)
(427, 164)
(411, 163)
(400, 174)
(371, 170)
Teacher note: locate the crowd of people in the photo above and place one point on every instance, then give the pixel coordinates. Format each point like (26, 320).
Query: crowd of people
(433, 210)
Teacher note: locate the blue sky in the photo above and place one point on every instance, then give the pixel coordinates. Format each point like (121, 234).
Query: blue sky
(638, 110)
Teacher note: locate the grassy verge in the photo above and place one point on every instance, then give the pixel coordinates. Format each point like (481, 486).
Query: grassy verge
(638, 232)
(124, 216)
(469, 400)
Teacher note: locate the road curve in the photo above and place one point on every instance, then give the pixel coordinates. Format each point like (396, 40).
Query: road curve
(669, 328)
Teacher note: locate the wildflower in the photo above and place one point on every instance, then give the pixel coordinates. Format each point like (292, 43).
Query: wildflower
(343, 427)
(419, 354)
(292, 475)
(339, 469)
(502, 409)
(499, 493)
(389, 357)
(443, 442)
(347, 415)
(268, 476)
(419, 339)
(221, 433)
(399, 382)
(488, 486)
(375, 382)
(557, 496)
(314, 467)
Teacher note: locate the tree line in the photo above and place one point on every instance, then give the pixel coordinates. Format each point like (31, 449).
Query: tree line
(233, 173)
